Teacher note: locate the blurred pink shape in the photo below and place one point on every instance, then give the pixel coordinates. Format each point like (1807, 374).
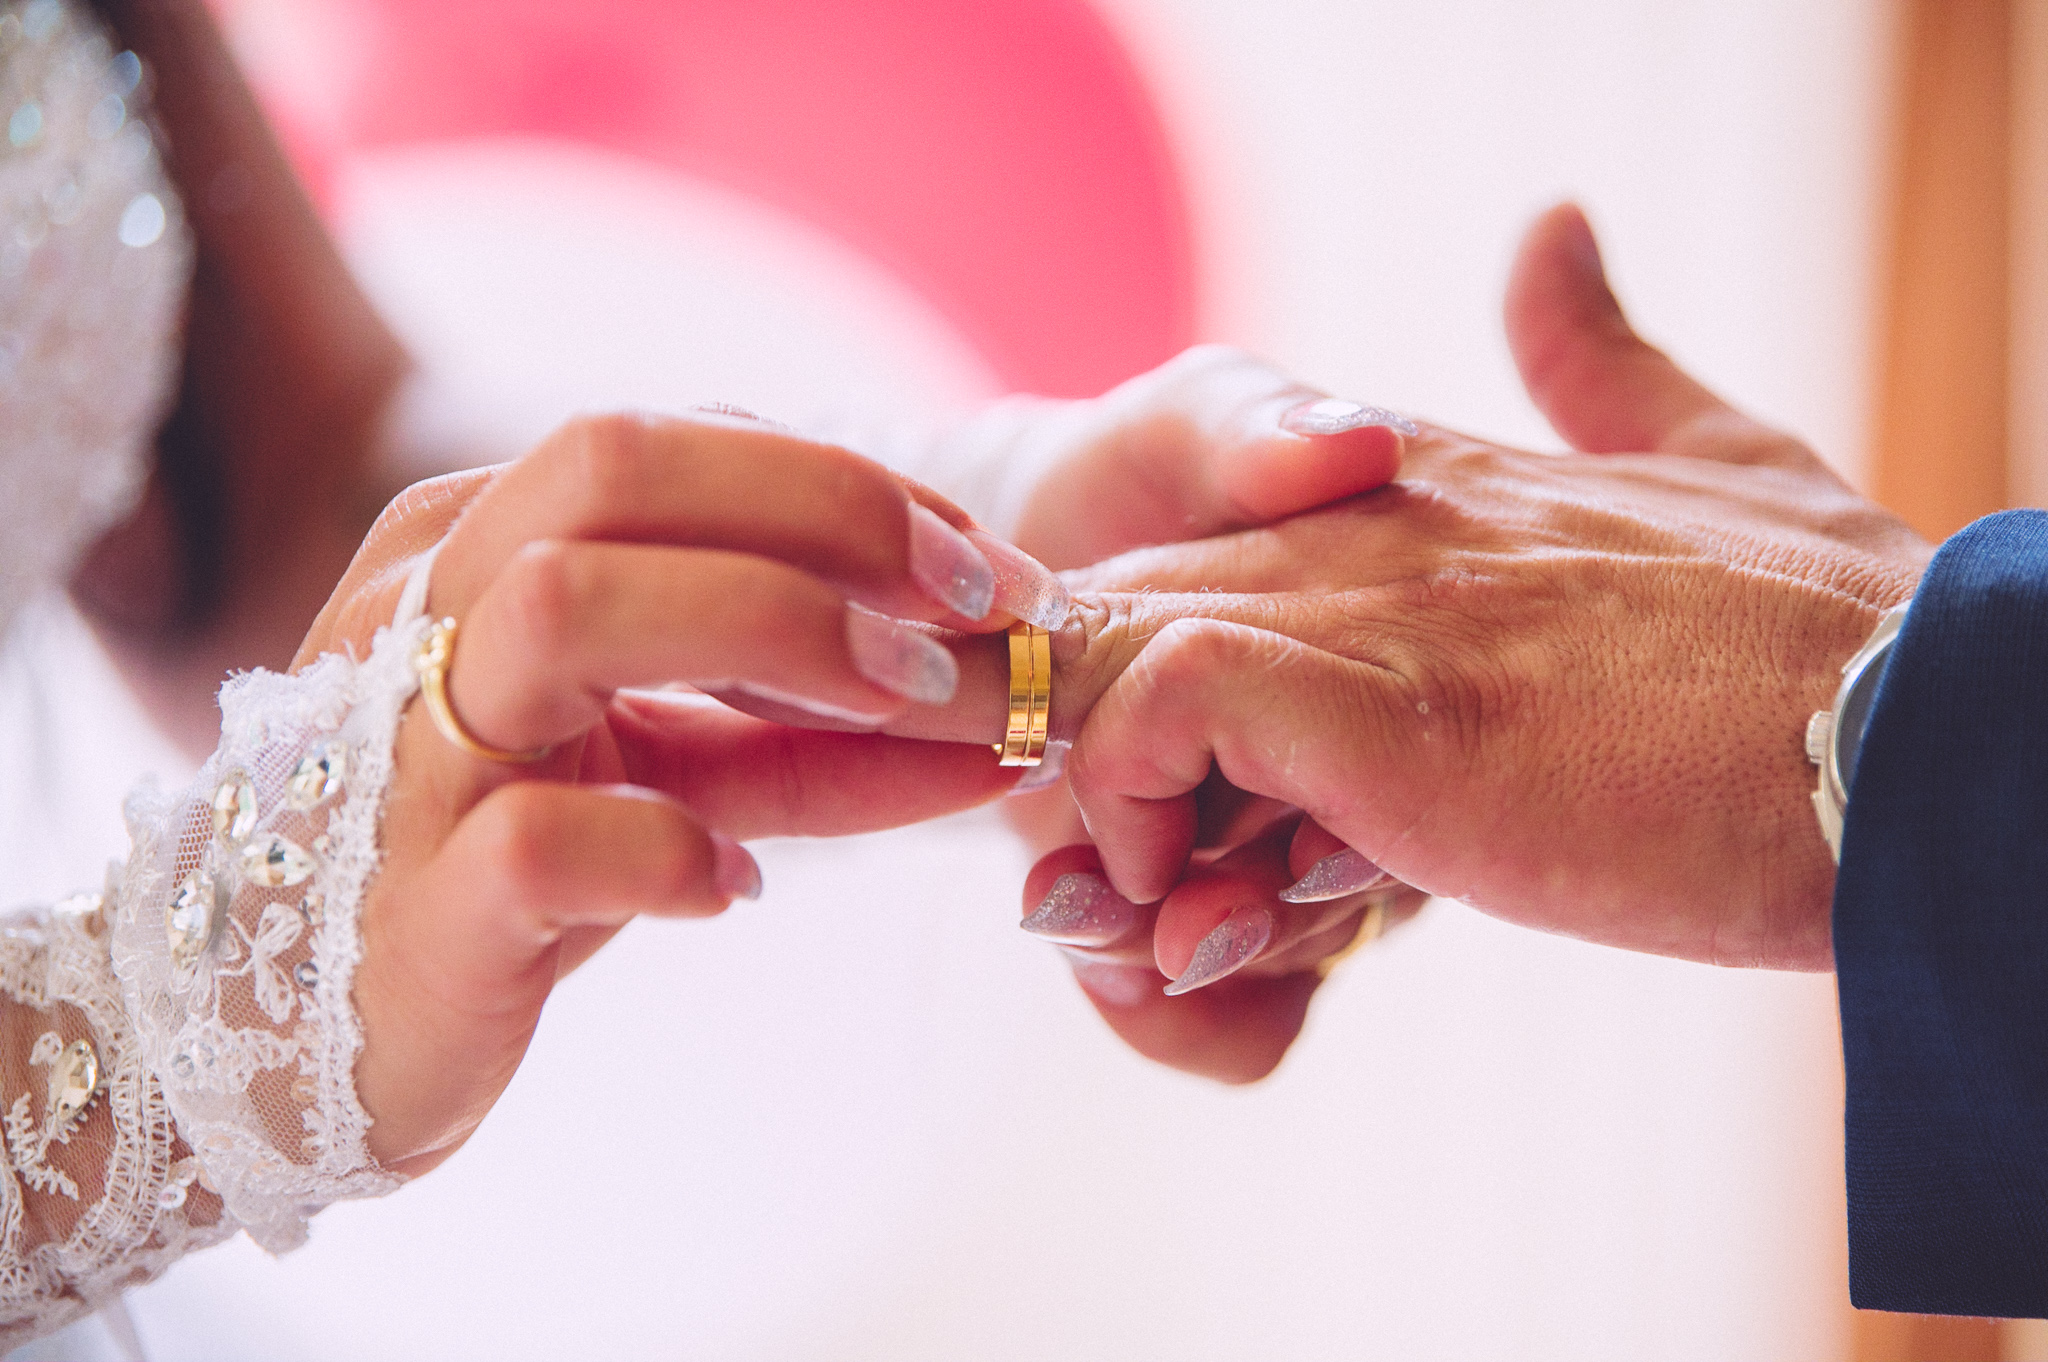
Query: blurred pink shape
(1001, 157)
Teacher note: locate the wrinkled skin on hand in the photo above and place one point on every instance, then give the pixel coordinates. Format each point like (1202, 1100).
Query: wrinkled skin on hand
(1567, 689)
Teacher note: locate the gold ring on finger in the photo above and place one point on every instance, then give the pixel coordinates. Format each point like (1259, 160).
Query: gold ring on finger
(433, 660)
(1023, 741)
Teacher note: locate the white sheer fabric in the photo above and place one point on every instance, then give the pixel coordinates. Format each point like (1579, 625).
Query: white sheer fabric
(195, 1022)
(989, 462)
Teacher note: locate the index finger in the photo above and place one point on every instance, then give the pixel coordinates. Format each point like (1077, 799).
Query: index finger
(712, 481)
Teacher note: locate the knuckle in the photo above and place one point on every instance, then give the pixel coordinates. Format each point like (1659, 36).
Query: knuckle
(543, 589)
(868, 496)
(1180, 654)
(433, 500)
(607, 458)
(1088, 655)
(1180, 662)
(520, 834)
(679, 869)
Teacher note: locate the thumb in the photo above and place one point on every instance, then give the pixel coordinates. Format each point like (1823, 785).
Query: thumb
(1599, 384)
(1211, 441)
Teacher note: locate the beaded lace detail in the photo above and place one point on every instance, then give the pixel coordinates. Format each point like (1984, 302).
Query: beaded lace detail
(94, 259)
(237, 934)
(210, 988)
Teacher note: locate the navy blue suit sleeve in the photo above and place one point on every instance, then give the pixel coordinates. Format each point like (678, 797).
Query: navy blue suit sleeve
(1941, 942)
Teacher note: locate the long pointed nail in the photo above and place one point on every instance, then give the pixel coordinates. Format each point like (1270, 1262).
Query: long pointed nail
(1081, 910)
(898, 658)
(1338, 874)
(1047, 773)
(1117, 985)
(947, 565)
(1025, 587)
(733, 869)
(1334, 416)
(1234, 944)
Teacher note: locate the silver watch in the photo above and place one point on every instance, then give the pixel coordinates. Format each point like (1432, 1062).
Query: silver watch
(1834, 736)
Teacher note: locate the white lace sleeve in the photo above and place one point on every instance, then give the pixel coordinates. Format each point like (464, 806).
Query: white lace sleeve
(179, 1053)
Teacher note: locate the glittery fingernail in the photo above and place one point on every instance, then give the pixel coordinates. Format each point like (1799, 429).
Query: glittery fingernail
(1234, 944)
(736, 413)
(1336, 875)
(1081, 910)
(899, 658)
(1024, 586)
(947, 565)
(1335, 415)
(1051, 766)
(1117, 985)
(733, 869)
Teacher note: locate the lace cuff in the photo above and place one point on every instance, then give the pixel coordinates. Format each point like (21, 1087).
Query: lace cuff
(236, 935)
(180, 1052)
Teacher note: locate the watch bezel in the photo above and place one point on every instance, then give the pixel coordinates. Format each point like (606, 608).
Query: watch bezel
(1860, 673)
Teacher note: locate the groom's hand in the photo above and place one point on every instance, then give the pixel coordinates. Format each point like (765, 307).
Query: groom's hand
(1567, 689)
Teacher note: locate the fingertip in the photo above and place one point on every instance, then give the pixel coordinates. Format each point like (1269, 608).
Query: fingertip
(1080, 858)
(1312, 842)
(1110, 986)
(1327, 416)
(1559, 280)
(1236, 1033)
(1139, 883)
(734, 870)
(1297, 470)
(1599, 384)
(1227, 948)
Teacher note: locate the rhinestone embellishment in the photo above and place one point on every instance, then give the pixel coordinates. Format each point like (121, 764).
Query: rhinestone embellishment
(74, 1082)
(275, 862)
(184, 1173)
(317, 778)
(194, 916)
(234, 809)
(307, 973)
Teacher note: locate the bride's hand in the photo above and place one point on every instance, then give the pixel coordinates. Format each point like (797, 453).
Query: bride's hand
(1216, 978)
(1213, 440)
(625, 552)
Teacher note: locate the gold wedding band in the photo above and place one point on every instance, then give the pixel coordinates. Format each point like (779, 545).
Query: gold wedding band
(436, 654)
(1371, 924)
(1023, 741)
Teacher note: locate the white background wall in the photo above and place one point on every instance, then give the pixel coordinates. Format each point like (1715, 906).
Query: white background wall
(866, 1118)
